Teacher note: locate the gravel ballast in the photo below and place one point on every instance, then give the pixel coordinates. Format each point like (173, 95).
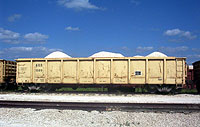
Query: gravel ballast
(19, 117)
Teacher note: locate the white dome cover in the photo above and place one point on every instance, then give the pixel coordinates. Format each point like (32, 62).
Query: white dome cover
(106, 54)
(156, 54)
(57, 54)
(190, 66)
(138, 56)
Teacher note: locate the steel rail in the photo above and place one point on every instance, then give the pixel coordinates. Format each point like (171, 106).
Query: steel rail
(101, 106)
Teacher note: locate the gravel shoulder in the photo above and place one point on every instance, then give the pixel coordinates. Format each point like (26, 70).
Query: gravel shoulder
(19, 117)
(27, 117)
(130, 98)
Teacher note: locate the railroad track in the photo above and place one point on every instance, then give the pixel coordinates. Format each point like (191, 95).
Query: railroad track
(102, 106)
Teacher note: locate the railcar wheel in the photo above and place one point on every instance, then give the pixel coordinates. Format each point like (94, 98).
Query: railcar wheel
(112, 89)
(29, 87)
(12, 86)
(33, 87)
(24, 88)
(127, 89)
(165, 88)
(46, 87)
(151, 89)
(74, 88)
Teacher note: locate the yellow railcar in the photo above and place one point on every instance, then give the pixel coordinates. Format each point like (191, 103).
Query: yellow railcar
(164, 73)
(7, 73)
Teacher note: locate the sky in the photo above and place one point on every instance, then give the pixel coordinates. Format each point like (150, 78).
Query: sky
(80, 28)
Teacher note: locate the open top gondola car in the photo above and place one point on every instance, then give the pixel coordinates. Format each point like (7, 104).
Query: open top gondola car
(7, 74)
(156, 73)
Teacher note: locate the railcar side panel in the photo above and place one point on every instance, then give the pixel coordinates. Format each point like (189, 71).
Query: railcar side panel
(128, 70)
(86, 71)
(24, 72)
(137, 71)
(54, 71)
(155, 71)
(103, 71)
(120, 71)
(171, 72)
(39, 68)
(180, 74)
(70, 71)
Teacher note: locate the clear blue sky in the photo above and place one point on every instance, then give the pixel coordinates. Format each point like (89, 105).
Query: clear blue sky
(35, 28)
